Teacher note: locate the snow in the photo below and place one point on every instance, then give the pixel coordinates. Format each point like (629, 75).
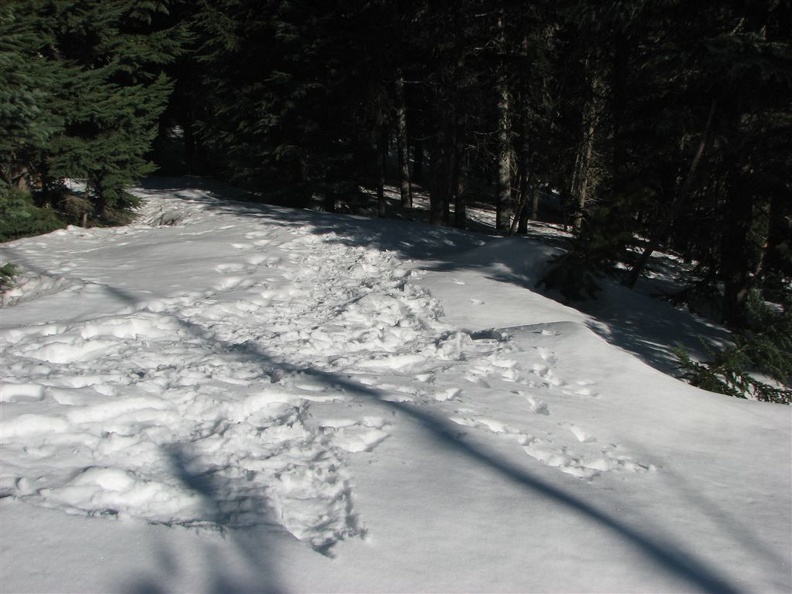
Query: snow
(237, 398)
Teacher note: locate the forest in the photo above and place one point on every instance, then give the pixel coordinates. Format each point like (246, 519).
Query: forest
(663, 125)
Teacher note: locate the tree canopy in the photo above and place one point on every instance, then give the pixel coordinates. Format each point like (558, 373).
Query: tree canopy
(83, 89)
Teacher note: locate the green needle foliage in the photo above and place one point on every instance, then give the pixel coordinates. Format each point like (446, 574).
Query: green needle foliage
(765, 349)
(81, 92)
(20, 217)
(7, 273)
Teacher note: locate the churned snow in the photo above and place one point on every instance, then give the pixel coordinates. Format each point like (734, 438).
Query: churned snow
(225, 397)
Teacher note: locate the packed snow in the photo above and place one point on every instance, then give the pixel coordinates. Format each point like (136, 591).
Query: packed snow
(229, 397)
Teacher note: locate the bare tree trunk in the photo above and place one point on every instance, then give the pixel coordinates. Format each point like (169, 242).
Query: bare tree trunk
(504, 159)
(418, 159)
(460, 194)
(523, 172)
(402, 142)
(580, 177)
(382, 157)
(534, 202)
(456, 146)
(452, 179)
(735, 259)
(504, 164)
(439, 194)
(518, 213)
(582, 182)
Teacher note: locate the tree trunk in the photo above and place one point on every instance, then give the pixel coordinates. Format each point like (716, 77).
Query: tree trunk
(535, 201)
(618, 105)
(459, 189)
(402, 143)
(534, 214)
(456, 186)
(190, 148)
(582, 182)
(735, 257)
(504, 158)
(523, 169)
(418, 159)
(439, 198)
(382, 157)
(329, 200)
(519, 209)
(504, 163)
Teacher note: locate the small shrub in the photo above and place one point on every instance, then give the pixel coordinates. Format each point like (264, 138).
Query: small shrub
(20, 217)
(75, 208)
(572, 275)
(7, 273)
(764, 349)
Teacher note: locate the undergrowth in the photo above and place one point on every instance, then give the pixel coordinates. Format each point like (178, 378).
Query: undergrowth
(7, 273)
(21, 217)
(761, 352)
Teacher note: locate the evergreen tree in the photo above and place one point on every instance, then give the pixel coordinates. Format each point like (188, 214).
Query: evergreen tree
(285, 93)
(86, 81)
(695, 154)
(28, 83)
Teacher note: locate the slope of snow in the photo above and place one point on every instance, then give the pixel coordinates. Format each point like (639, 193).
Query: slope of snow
(226, 397)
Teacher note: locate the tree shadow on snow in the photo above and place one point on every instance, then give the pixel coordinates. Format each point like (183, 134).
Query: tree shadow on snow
(427, 242)
(666, 555)
(423, 243)
(238, 566)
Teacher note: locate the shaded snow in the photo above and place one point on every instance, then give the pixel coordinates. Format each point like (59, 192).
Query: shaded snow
(226, 397)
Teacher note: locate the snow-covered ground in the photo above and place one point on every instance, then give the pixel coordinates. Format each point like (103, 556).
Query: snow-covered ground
(225, 397)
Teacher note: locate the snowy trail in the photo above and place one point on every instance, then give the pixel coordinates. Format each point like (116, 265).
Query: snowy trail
(154, 411)
(206, 369)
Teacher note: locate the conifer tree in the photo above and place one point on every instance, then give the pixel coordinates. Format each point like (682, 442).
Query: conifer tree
(285, 88)
(92, 74)
(27, 86)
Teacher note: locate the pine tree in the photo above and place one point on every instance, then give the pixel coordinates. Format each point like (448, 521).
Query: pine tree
(112, 106)
(86, 81)
(27, 86)
(694, 155)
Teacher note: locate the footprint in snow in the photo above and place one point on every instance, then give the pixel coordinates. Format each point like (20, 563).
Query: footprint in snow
(547, 374)
(538, 407)
(234, 282)
(586, 465)
(355, 436)
(231, 268)
(547, 355)
(462, 417)
(242, 246)
(583, 388)
(579, 433)
(450, 394)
